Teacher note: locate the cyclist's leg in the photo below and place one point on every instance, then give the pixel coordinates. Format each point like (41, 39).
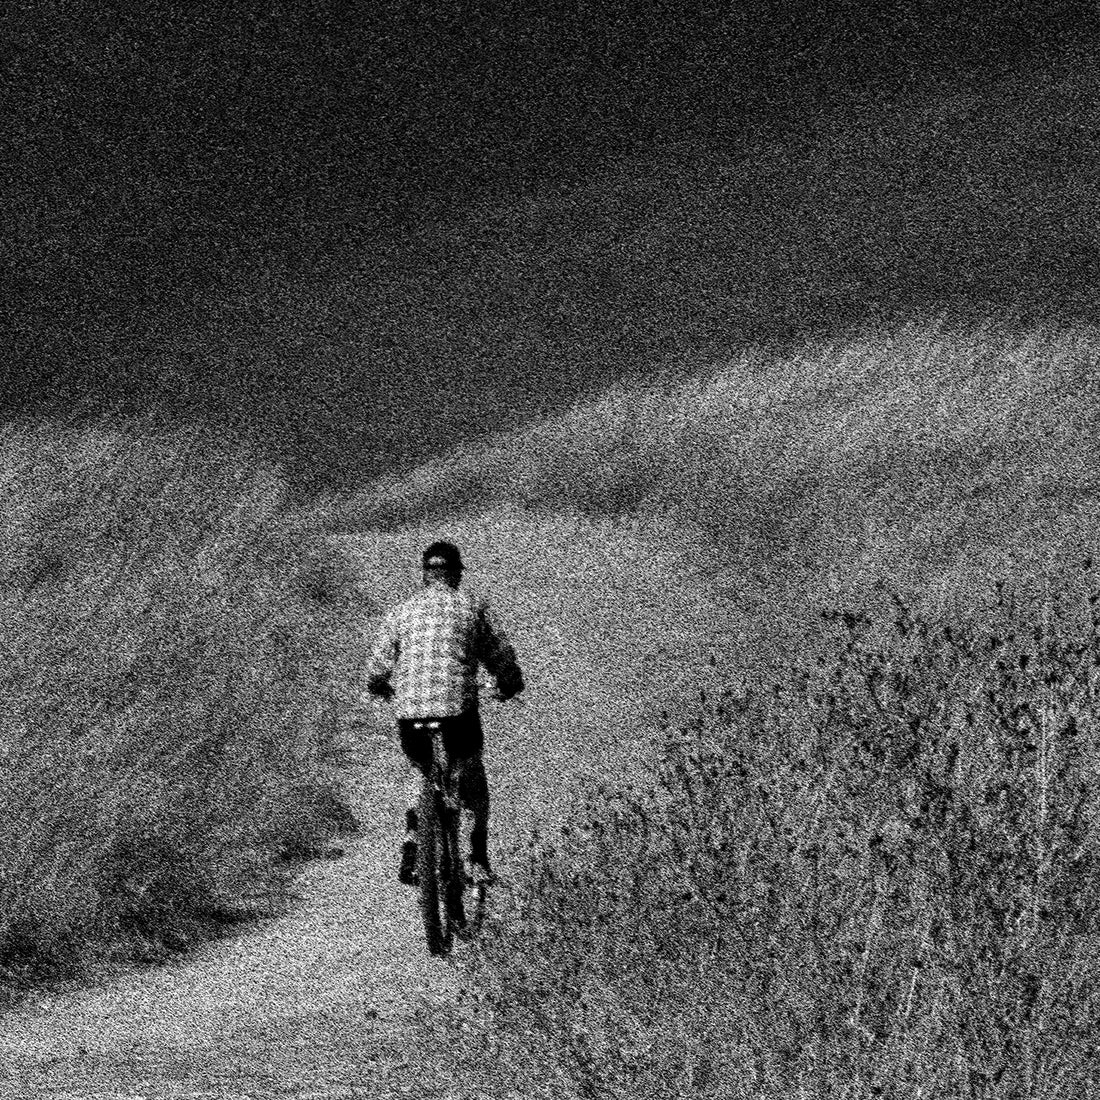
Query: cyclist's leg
(417, 750)
(464, 745)
(474, 792)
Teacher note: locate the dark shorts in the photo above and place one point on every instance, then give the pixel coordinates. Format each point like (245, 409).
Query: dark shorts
(462, 738)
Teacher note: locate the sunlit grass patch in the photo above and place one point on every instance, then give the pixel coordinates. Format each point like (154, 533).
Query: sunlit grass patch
(164, 678)
(902, 450)
(928, 455)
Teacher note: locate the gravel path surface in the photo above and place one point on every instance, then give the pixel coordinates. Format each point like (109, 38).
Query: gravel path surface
(306, 1004)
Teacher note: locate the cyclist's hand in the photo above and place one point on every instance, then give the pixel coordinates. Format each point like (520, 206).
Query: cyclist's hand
(508, 685)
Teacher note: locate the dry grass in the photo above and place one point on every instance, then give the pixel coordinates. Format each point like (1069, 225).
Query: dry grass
(874, 878)
(929, 455)
(164, 701)
(865, 868)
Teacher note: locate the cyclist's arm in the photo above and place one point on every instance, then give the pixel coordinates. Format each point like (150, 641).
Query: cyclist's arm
(383, 661)
(497, 654)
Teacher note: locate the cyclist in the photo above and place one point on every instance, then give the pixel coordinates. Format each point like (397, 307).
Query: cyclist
(426, 658)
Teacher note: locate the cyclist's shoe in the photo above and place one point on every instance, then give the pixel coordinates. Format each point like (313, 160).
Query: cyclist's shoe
(478, 873)
(407, 871)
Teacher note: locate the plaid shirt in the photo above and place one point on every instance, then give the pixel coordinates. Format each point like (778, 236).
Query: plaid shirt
(430, 647)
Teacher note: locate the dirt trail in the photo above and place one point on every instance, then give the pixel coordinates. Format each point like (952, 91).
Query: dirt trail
(317, 1003)
(298, 1005)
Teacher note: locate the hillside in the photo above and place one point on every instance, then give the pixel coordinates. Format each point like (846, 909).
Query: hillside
(649, 551)
(927, 457)
(673, 413)
(966, 194)
(969, 200)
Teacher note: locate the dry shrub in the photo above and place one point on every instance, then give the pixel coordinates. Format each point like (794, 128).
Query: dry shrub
(874, 877)
(164, 671)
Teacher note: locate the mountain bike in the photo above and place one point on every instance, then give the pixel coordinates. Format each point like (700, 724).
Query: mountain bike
(439, 866)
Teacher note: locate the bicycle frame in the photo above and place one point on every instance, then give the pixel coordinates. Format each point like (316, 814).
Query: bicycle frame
(439, 865)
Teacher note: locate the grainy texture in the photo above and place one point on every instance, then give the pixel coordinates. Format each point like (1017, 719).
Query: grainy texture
(323, 1001)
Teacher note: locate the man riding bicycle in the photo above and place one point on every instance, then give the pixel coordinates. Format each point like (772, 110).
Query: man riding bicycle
(426, 658)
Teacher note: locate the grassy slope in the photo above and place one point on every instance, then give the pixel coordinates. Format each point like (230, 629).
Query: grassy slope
(933, 458)
(967, 196)
(925, 455)
(163, 702)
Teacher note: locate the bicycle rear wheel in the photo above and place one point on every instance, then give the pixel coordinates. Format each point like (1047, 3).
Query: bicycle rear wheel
(430, 856)
(452, 872)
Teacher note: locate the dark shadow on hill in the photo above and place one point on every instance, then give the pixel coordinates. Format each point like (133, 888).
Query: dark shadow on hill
(969, 198)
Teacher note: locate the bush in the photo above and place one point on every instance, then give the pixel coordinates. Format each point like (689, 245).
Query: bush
(163, 685)
(874, 877)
